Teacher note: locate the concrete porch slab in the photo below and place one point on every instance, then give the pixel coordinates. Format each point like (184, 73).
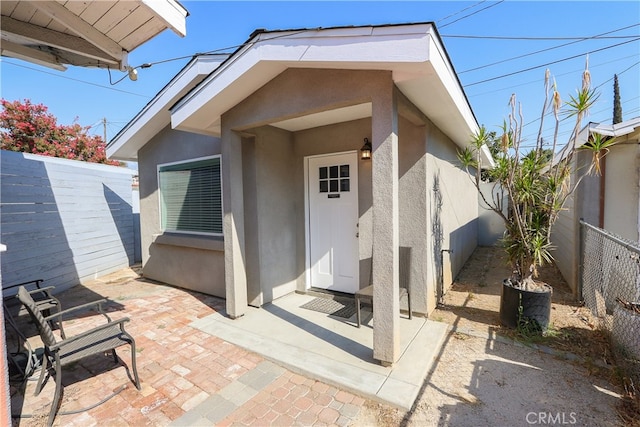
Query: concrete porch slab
(333, 349)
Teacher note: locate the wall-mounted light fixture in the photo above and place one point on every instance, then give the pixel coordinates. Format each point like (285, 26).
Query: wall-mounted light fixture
(133, 73)
(365, 151)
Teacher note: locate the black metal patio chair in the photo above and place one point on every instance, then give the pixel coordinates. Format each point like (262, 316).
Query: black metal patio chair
(42, 296)
(101, 339)
(24, 358)
(366, 294)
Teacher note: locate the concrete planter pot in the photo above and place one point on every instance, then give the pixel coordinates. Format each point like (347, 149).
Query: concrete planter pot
(536, 306)
(625, 331)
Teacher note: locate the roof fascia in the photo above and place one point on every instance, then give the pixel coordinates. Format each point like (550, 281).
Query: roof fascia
(162, 101)
(185, 111)
(171, 12)
(614, 130)
(619, 129)
(258, 36)
(453, 70)
(223, 66)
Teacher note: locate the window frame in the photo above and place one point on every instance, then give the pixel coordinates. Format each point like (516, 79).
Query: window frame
(160, 196)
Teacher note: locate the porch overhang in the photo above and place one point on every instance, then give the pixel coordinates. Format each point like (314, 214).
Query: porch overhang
(155, 115)
(93, 33)
(413, 53)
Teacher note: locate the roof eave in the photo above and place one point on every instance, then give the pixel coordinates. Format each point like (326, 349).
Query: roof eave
(613, 130)
(171, 12)
(350, 49)
(155, 115)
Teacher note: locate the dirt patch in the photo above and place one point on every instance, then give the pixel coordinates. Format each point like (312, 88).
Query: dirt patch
(473, 302)
(486, 374)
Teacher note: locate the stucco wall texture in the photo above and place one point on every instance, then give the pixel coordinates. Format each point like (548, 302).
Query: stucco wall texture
(621, 180)
(613, 205)
(436, 200)
(189, 261)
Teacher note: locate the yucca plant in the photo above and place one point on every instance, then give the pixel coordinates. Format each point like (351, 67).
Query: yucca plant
(537, 181)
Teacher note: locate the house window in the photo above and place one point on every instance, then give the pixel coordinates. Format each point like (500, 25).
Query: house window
(191, 196)
(334, 179)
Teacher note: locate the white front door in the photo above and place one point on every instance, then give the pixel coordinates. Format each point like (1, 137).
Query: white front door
(332, 189)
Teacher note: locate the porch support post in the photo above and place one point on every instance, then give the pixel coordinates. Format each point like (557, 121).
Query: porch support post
(235, 275)
(386, 305)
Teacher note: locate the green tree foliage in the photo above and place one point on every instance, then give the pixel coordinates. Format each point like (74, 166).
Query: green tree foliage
(536, 181)
(617, 106)
(30, 128)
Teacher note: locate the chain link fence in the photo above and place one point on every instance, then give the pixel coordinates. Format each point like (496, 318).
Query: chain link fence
(610, 288)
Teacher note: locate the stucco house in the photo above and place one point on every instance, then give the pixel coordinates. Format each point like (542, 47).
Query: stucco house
(254, 185)
(610, 201)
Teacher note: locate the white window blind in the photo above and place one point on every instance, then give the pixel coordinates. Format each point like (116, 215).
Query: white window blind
(191, 196)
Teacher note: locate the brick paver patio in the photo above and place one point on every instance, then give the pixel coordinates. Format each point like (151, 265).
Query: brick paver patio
(188, 377)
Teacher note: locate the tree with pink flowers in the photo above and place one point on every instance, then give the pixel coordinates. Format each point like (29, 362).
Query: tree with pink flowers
(30, 128)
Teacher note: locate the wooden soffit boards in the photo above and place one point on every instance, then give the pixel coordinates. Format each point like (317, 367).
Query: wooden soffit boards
(95, 33)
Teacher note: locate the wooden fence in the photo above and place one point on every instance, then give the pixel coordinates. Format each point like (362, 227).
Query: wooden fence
(64, 221)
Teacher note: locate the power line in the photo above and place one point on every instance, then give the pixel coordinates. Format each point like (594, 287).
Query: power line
(461, 10)
(471, 14)
(596, 87)
(549, 63)
(622, 72)
(76, 80)
(524, 38)
(214, 51)
(591, 113)
(538, 38)
(536, 81)
(149, 64)
(549, 49)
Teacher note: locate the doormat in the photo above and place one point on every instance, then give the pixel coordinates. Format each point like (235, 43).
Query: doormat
(331, 307)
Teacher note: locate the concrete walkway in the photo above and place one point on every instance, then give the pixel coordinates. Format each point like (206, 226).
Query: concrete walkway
(270, 395)
(332, 349)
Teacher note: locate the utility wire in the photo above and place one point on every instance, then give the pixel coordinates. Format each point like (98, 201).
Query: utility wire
(538, 38)
(564, 119)
(461, 10)
(596, 87)
(524, 38)
(536, 81)
(471, 14)
(548, 49)
(75, 80)
(145, 65)
(549, 63)
(591, 113)
(620, 73)
(212, 52)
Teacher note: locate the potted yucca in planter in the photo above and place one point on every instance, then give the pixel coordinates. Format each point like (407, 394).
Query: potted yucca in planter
(536, 182)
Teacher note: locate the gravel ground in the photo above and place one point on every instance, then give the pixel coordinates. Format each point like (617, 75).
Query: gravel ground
(483, 377)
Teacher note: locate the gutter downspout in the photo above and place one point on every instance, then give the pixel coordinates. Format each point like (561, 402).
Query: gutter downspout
(440, 302)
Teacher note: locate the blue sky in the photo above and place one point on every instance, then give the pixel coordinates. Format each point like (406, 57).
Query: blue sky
(476, 34)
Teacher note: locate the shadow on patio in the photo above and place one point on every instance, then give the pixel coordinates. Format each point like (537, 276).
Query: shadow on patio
(188, 376)
(332, 349)
(489, 375)
(195, 368)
